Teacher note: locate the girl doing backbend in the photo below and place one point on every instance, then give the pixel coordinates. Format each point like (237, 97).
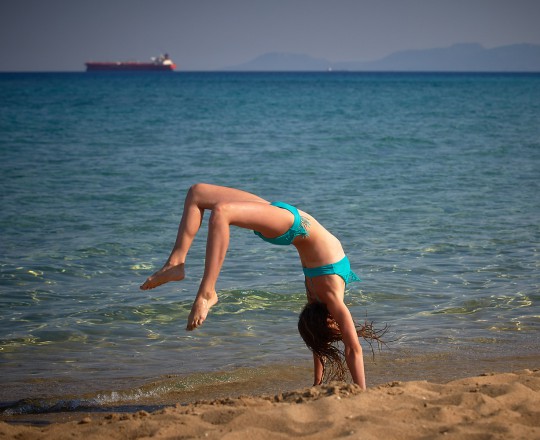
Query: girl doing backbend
(324, 320)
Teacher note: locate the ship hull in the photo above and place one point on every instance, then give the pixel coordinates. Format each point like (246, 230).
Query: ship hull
(129, 67)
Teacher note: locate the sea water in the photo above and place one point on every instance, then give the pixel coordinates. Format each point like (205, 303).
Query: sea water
(431, 182)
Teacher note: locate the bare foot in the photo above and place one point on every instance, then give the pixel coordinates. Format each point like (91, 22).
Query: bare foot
(199, 311)
(164, 275)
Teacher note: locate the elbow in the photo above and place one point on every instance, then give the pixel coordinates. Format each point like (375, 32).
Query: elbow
(353, 350)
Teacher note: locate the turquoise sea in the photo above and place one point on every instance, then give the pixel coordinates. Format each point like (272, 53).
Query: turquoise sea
(431, 181)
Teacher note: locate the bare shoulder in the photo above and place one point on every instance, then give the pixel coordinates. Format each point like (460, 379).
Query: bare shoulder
(330, 289)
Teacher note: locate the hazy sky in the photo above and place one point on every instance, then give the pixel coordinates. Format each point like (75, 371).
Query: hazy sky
(212, 34)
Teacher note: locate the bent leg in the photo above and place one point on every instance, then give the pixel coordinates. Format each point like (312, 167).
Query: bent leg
(247, 215)
(229, 207)
(200, 196)
(216, 249)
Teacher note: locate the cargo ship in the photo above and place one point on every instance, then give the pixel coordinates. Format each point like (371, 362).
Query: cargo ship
(158, 64)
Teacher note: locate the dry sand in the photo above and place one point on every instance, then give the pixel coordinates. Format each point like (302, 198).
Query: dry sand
(492, 406)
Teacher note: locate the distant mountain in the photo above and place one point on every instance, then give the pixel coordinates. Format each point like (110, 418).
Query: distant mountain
(457, 58)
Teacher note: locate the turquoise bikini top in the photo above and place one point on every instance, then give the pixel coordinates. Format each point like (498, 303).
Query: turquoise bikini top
(341, 268)
(297, 228)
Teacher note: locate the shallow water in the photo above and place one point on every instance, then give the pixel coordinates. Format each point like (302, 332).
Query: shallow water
(431, 182)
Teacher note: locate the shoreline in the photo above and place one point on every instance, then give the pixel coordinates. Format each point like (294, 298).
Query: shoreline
(44, 402)
(496, 405)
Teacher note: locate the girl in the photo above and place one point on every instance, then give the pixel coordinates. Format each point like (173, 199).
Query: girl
(324, 320)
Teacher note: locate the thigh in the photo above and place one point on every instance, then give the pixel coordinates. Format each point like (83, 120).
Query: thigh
(269, 220)
(207, 196)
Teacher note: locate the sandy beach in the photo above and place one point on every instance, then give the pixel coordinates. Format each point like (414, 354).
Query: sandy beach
(490, 406)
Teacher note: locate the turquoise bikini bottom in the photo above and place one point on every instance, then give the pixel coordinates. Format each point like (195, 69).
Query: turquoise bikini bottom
(298, 227)
(341, 268)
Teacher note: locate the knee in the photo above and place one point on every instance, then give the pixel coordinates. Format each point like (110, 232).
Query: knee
(196, 191)
(196, 188)
(220, 213)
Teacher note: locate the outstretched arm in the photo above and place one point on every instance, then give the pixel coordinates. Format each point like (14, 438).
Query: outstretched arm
(353, 349)
(318, 370)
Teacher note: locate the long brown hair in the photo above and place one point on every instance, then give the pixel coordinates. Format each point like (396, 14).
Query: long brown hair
(322, 339)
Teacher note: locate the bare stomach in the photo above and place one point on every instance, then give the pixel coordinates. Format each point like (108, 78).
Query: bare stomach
(320, 247)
